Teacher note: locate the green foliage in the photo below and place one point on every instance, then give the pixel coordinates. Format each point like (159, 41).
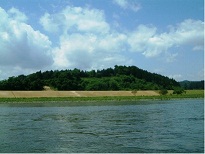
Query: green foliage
(117, 78)
(163, 91)
(190, 85)
(178, 90)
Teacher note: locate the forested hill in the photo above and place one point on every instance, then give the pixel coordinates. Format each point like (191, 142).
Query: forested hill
(190, 85)
(117, 78)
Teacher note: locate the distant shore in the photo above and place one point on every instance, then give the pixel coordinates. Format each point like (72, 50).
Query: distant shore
(49, 96)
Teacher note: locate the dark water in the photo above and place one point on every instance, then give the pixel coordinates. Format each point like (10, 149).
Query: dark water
(149, 126)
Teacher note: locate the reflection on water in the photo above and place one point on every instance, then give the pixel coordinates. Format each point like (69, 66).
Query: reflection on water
(171, 126)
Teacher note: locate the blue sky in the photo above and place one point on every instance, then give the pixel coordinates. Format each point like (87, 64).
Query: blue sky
(161, 36)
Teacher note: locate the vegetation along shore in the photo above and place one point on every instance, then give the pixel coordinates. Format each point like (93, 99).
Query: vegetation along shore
(123, 97)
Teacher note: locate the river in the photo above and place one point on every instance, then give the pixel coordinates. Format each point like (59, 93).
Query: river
(119, 127)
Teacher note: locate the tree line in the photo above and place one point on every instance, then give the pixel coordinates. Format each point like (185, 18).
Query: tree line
(190, 85)
(117, 78)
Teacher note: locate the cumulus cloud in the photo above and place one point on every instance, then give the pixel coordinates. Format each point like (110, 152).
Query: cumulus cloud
(17, 15)
(87, 40)
(75, 19)
(89, 51)
(188, 32)
(149, 42)
(49, 23)
(125, 4)
(20, 44)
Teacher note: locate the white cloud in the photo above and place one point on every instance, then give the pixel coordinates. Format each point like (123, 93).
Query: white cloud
(77, 19)
(121, 3)
(87, 39)
(151, 44)
(49, 24)
(17, 15)
(146, 40)
(188, 32)
(125, 4)
(20, 44)
(138, 40)
(89, 51)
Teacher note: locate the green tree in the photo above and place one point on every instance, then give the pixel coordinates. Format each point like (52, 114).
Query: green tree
(113, 84)
(178, 90)
(163, 91)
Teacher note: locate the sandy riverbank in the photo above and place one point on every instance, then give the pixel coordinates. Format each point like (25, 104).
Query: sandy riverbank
(33, 94)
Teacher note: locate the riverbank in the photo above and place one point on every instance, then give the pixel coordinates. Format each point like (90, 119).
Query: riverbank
(41, 94)
(94, 96)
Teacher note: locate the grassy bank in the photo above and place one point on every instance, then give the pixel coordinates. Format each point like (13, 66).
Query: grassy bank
(188, 94)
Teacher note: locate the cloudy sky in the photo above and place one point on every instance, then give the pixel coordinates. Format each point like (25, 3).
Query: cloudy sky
(161, 36)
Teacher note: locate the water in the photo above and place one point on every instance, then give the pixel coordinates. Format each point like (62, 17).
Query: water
(148, 126)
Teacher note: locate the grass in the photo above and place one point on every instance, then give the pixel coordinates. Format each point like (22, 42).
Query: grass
(188, 94)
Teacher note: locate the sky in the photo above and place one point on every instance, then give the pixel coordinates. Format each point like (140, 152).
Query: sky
(160, 36)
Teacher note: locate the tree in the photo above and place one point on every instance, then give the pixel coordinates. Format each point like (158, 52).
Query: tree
(117, 78)
(113, 85)
(178, 90)
(163, 91)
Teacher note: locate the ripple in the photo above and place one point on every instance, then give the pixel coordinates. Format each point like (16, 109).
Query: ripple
(164, 127)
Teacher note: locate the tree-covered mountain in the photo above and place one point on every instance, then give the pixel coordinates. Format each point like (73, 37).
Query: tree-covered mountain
(117, 78)
(190, 85)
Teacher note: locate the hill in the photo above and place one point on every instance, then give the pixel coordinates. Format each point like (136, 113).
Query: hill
(190, 85)
(117, 78)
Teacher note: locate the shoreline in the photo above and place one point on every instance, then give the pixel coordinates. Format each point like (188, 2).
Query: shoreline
(97, 99)
(91, 96)
(53, 94)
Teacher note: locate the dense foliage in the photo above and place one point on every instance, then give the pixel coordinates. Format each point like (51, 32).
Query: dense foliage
(178, 90)
(190, 85)
(117, 78)
(163, 91)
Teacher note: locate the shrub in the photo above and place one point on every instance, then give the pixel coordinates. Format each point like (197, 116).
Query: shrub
(178, 90)
(163, 91)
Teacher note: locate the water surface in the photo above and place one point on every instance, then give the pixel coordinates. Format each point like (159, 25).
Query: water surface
(147, 126)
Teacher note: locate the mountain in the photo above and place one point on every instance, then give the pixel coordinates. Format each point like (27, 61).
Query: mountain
(117, 78)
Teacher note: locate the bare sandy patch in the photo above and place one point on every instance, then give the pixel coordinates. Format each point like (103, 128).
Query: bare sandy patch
(6, 94)
(30, 94)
